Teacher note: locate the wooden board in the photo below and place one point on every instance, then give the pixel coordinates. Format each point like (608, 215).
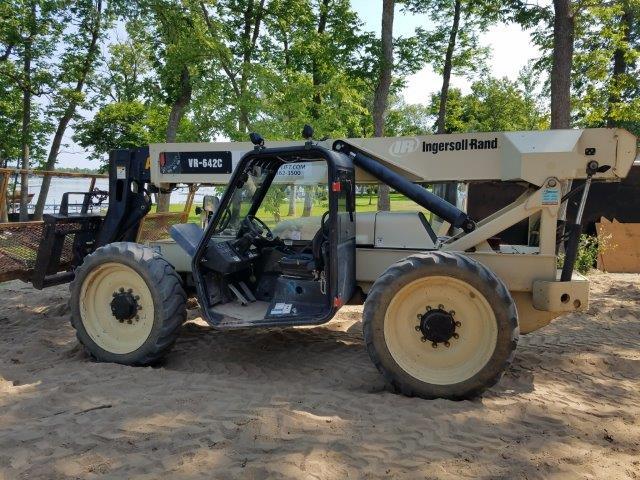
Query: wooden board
(621, 253)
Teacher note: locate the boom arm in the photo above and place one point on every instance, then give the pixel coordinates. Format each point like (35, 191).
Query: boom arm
(508, 156)
(421, 196)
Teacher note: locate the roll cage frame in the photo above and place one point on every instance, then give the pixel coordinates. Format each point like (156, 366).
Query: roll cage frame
(341, 281)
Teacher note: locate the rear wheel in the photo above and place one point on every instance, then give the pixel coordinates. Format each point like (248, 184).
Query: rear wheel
(440, 325)
(127, 304)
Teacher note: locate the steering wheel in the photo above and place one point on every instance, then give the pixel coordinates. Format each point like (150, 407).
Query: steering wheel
(257, 227)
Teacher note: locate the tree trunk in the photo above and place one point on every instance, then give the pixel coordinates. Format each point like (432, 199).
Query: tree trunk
(179, 105)
(315, 69)
(292, 201)
(250, 37)
(448, 66)
(4, 191)
(563, 32)
(26, 117)
(308, 201)
(381, 94)
(175, 116)
(619, 66)
(448, 190)
(69, 112)
(562, 63)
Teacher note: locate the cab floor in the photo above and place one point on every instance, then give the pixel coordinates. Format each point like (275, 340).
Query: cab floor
(234, 311)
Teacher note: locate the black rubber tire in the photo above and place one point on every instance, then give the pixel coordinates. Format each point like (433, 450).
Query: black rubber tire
(166, 289)
(442, 264)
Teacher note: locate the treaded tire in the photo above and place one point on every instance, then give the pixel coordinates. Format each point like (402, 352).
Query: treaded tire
(441, 264)
(167, 293)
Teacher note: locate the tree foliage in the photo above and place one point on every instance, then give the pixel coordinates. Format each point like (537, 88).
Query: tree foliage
(123, 74)
(493, 105)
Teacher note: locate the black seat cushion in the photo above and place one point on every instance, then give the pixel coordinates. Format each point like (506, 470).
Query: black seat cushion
(187, 235)
(304, 264)
(298, 265)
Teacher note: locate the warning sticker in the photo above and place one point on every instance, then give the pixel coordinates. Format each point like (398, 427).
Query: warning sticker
(281, 309)
(551, 196)
(121, 173)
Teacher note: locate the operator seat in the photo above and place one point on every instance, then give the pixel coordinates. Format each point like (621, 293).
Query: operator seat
(303, 265)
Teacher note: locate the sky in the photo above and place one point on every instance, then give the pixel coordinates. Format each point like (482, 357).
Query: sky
(511, 49)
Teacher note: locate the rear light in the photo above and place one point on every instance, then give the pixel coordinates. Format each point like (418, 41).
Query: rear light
(161, 159)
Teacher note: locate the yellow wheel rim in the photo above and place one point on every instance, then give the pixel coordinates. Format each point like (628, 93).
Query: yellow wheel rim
(466, 355)
(109, 333)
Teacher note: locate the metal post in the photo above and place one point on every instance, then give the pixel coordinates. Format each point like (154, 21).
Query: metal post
(187, 206)
(575, 230)
(4, 199)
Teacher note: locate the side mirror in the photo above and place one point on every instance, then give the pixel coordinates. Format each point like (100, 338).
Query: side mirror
(210, 203)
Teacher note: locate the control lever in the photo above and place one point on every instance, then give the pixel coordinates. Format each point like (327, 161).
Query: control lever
(243, 243)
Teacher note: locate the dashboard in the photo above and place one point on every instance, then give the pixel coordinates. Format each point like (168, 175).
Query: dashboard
(224, 257)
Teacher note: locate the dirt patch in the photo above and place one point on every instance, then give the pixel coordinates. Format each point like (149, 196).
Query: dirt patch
(307, 403)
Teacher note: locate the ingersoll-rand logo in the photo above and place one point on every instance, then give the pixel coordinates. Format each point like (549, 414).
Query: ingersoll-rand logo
(404, 146)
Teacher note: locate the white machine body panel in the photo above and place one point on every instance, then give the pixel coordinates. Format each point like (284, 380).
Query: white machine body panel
(508, 156)
(393, 230)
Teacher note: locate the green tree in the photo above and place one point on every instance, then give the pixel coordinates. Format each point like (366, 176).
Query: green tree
(280, 64)
(606, 79)
(381, 94)
(126, 125)
(127, 75)
(273, 200)
(493, 105)
(453, 47)
(29, 32)
(407, 119)
(74, 72)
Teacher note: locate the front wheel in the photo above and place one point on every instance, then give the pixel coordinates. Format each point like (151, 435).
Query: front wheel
(440, 324)
(127, 304)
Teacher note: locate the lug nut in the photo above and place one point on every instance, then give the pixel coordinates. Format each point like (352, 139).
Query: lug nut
(452, 313)
(441, 307)
(456, 336)
(434, 345)
(458, 324)
(139, 307)
(447, 344)
(114, 294)
(137, 297)
(428, 307)
(121, 290)
(129, 322)
(130, 291)
(417, 328)
(423, 339)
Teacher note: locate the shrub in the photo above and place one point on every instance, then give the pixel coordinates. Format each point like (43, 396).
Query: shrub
(588, 249)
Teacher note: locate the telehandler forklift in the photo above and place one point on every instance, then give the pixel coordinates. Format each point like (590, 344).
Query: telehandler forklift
(443, 307)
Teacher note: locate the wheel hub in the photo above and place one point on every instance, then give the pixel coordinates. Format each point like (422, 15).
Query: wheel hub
(124, 305)
(437, 326)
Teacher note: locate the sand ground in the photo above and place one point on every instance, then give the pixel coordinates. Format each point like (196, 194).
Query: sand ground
(307, 403)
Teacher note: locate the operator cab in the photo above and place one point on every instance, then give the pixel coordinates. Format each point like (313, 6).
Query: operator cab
(280, 248)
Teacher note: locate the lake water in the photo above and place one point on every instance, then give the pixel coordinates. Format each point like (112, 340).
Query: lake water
(61, 185)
